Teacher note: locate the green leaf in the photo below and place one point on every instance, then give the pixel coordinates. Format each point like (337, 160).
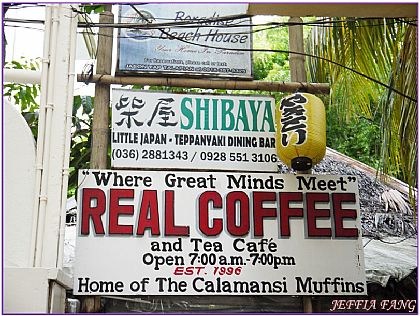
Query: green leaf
(98, 8)
(87, 103)
(77, 103)
(17, 65)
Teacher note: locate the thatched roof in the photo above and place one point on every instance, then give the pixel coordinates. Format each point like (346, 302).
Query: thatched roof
(385, 208)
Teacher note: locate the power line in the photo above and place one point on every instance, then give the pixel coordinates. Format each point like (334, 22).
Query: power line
(190, 24)
(90, 25)
(253, 31)
(202, 34)
(293, 52)
(298, 53)
(197, 24)
(170, 36)
(23, 27)
(24, 21)
(265, 26)
(316, 22)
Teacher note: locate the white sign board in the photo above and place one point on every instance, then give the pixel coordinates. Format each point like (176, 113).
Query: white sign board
(172, 233)
(192, 131)
(203, 39)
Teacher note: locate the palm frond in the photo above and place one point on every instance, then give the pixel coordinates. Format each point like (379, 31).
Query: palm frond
(385, 50)
(399, 119)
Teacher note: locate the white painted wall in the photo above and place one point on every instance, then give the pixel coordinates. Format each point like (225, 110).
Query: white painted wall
(21, 298)
(19, 185)
(33, 277)
(35, 290)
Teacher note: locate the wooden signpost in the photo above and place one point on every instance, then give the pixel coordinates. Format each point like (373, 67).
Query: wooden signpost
(100, 121)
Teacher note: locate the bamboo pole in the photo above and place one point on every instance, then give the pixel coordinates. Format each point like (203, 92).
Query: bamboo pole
(307, 300)
(298, 73)
(315, 88)
(100, 124)
(296, 62)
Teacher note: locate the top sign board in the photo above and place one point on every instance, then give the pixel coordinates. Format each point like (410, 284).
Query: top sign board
(186, 38)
